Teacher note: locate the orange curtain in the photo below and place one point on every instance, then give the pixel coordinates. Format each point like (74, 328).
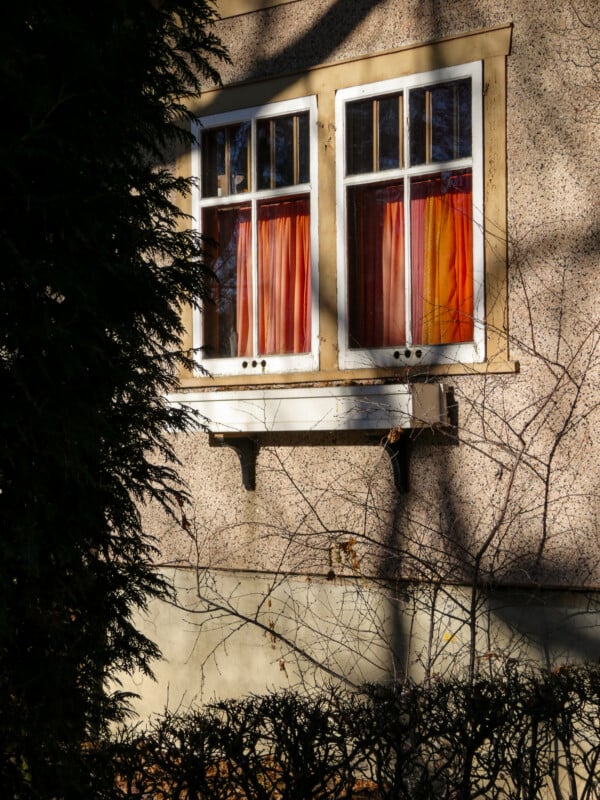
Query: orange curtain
(376, 314)
(284, 290)
(442, 260)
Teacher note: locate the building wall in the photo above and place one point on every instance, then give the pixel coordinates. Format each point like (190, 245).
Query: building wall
(325, 570)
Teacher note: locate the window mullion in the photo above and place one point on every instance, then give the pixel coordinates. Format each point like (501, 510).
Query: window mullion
(255, 288)
(254, 224)
(407, 224)
(375, 134)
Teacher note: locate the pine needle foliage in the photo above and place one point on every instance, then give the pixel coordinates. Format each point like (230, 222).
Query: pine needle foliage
(95, 264)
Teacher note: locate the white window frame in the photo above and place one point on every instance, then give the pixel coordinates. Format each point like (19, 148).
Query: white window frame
(409, 354)
(261, 364)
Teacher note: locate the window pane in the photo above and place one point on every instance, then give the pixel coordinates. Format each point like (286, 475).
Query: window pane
(239, 170)
(374, 134)
(376, 314)
(390, 132)
(227, 316)
(213, 160)
(282, 151)
(442, 258)
(225, 154)
(359, 137)
(304, 152)
(440, 122)
(284, 292)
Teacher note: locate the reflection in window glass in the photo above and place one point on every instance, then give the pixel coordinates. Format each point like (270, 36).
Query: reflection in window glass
(227, 319)
(225, 153)
(440, 122)
(374, 134)
(282, 151)
(359, 137)
(260, 300)
(390, 132)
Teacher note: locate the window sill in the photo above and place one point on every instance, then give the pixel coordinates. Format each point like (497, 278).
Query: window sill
(497, 365)
(331, 408)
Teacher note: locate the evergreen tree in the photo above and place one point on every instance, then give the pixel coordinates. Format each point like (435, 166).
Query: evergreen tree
(94, 266)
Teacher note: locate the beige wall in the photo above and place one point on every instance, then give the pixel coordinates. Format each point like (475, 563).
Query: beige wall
(513, 501)
(312, 633)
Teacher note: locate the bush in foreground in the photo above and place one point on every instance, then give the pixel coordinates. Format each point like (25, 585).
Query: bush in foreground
(94, 266)
(522, 734)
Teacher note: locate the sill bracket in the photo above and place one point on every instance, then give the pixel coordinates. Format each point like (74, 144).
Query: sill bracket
(398, 449)
(241, 419)
(246, 450)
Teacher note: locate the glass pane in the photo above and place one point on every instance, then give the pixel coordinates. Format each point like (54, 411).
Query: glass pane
(213, 160)
(227, 315)
(225, 157)
(440, 122)
(442, 258)
(264, 154)
(390, 132)
(376, 304)
(303, 148)
(359, 137)
(282, 151)
(239, 172)
(284, 276)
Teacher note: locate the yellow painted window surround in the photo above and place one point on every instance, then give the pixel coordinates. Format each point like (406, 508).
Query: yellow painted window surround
(490, 48)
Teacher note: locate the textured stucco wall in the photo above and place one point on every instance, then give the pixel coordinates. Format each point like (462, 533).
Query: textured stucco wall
(515, 500)
(508, 425)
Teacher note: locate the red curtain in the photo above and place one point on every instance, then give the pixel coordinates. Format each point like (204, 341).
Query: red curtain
(284, 280)
(376, 313)
(284, 290)
(227, 319)
(441, 262)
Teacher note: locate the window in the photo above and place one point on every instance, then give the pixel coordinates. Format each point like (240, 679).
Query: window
(359, 210)
(257, 203)
(410, 220)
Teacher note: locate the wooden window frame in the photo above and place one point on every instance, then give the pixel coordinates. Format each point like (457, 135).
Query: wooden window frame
(408, 353)
(259, 364)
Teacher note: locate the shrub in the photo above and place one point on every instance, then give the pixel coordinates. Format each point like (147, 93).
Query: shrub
(521, 734)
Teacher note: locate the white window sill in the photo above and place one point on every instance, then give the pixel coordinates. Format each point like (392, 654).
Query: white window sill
(335, 408)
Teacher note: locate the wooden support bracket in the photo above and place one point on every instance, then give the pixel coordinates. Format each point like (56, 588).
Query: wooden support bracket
(398, 449)
(246, 450)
